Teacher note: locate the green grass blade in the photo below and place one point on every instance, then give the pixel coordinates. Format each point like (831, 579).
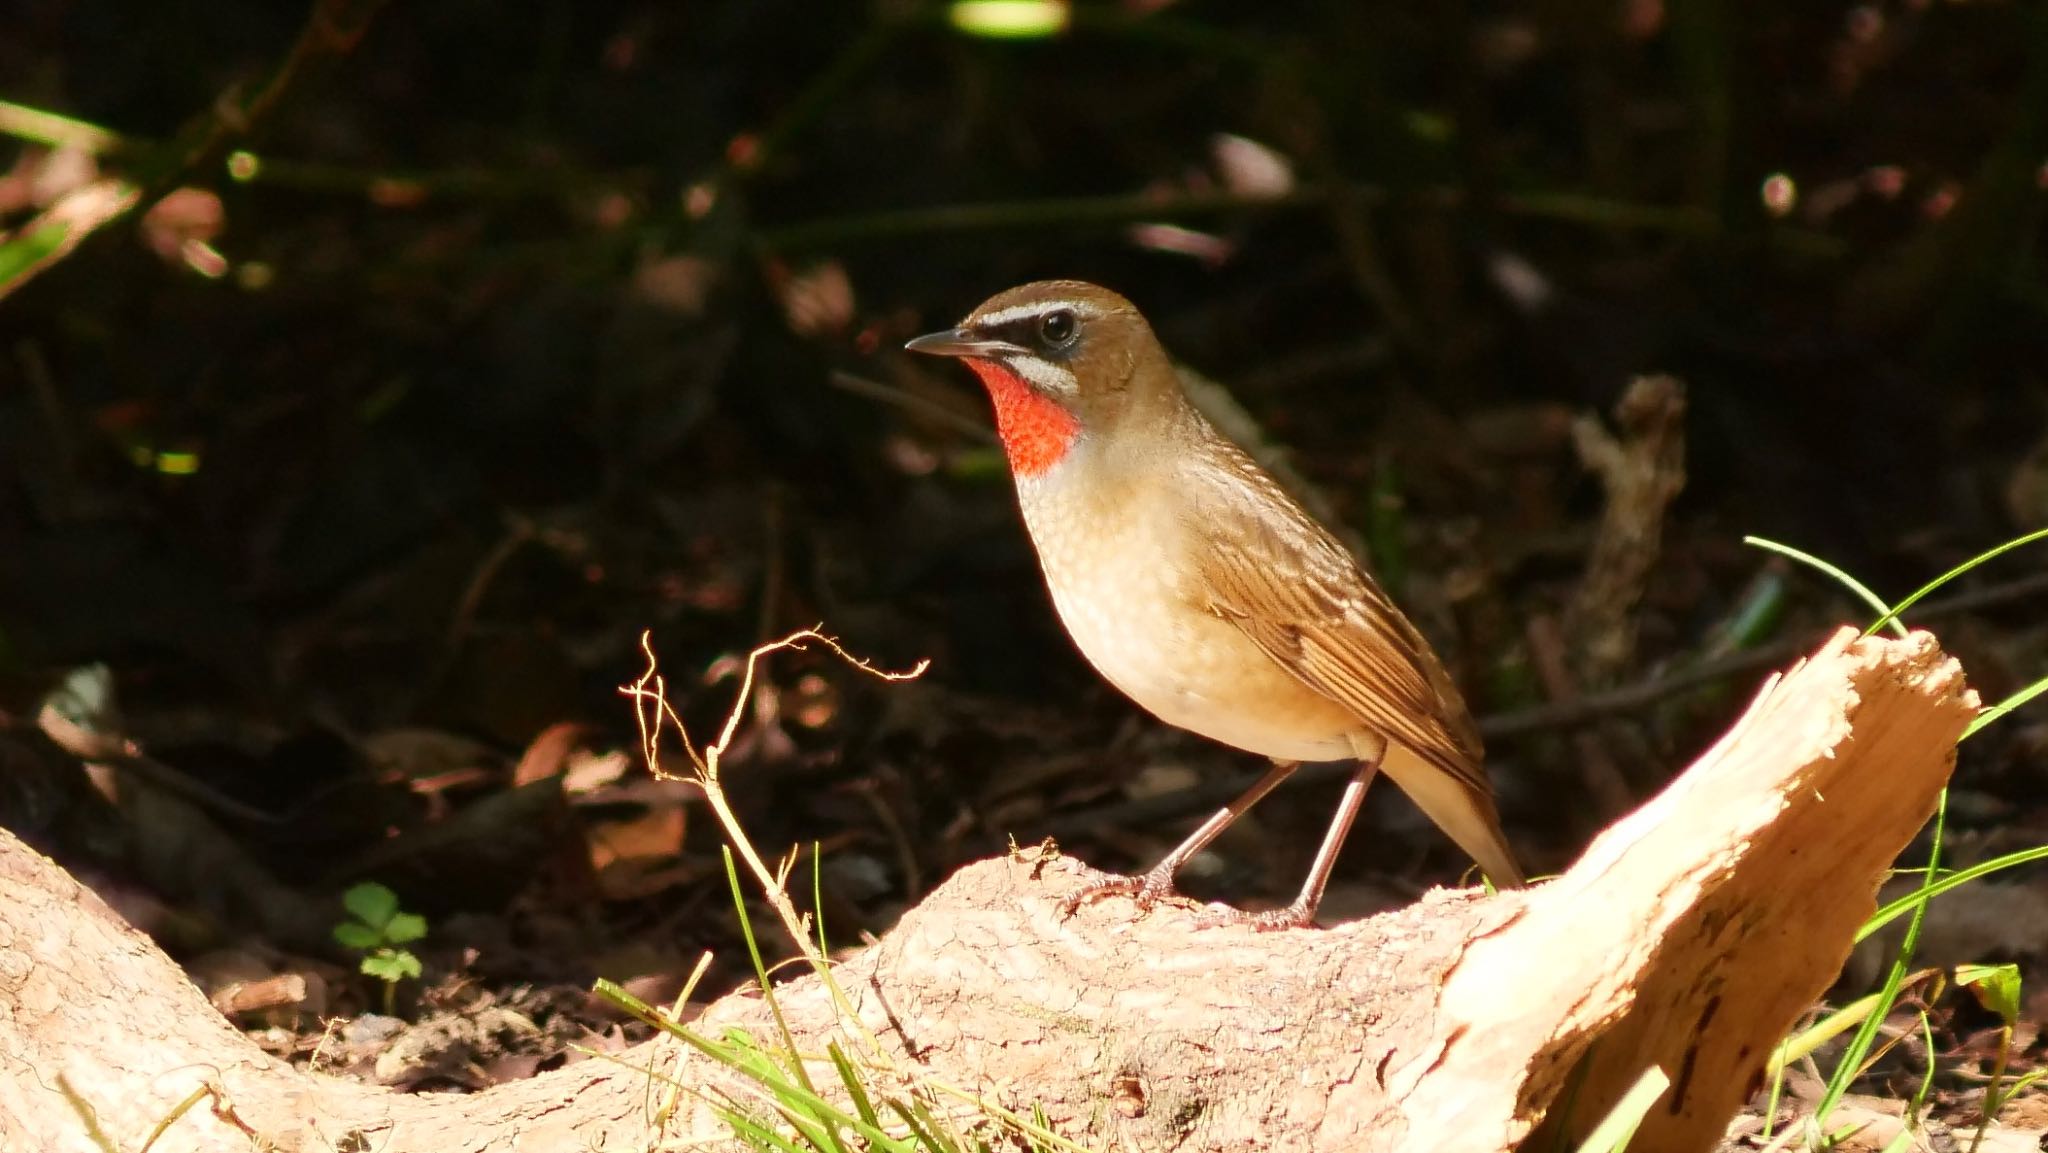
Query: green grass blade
(737, 1050)
(1885, 612)
(819, 1120)
(1916, 1108)
(1772, 1102)
(753, 1132)
(1950, 881)
(2025, 1082)
(739, 903)
(919, 1119)
(54, 129)
(1851, 1064)
(22, 253)
(818, 898)
(1936, 584)
(1758, 612)
(849, 1076)
(816, 1132)
(848, 1015)
(1807, 1041)
(2005, 706)
(757, 1062)
(728, 1051)
(617, 994)
(1618, 1128)
(779, 1077)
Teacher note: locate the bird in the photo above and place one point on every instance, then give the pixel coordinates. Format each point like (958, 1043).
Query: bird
(1196, 585)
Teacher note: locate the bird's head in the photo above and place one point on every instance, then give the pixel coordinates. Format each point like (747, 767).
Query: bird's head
(1062, 359)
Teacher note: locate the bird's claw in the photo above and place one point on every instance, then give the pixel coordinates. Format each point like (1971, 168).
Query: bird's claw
(1145, 890)
(1295, 916)
(1156, 887)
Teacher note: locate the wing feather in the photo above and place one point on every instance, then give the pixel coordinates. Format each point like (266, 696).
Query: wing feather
(1324, 619)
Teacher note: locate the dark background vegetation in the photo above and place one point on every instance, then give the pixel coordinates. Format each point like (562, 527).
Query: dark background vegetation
(523, 339)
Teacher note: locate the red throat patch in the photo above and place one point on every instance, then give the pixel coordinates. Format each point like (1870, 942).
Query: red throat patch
(1036, 431)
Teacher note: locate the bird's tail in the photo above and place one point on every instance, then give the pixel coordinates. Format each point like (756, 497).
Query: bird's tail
(1464, 813)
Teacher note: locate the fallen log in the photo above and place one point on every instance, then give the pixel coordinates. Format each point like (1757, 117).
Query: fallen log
(1688, 937)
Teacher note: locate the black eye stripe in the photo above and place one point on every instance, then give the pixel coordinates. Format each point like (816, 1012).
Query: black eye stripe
(1023, 330)
(1029, 331)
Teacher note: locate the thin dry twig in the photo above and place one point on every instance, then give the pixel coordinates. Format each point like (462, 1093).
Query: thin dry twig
(653, 712)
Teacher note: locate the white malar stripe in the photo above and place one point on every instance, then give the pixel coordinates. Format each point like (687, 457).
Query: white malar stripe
(1044, 375)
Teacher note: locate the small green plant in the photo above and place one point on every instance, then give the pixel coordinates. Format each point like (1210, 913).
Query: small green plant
(1997, 988)
(380, 930)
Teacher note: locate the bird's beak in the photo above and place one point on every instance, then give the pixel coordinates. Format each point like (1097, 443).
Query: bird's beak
(961, 342)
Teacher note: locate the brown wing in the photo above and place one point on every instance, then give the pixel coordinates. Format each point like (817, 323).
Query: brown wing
(1295, 591)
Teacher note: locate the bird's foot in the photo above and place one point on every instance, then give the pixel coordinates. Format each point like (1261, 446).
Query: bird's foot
(1145, 889)
(1295, 916)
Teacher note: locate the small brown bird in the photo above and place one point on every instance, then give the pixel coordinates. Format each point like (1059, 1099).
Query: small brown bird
(1196, 585)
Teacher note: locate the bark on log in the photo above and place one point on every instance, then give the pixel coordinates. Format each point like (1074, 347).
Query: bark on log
(1688, 937)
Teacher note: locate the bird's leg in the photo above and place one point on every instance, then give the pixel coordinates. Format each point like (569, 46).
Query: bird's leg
(1302, 913)
(1156, 884)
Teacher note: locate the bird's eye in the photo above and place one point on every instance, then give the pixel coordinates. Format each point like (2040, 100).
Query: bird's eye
(1057, 327)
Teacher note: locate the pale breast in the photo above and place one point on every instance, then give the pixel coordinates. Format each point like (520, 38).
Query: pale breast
(1113, 570)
